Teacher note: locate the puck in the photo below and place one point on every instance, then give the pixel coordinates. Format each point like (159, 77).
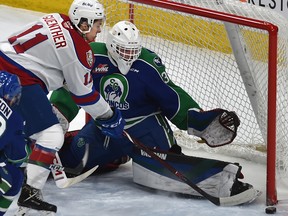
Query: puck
(270, 210)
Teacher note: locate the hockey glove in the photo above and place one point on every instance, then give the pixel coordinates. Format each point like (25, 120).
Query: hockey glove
(216, 127)
(112, 127)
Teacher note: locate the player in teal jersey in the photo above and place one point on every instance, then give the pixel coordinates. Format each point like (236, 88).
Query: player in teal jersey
(13, 148)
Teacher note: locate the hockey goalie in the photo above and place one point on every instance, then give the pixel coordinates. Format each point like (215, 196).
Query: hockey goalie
(215, 177)
(136, 85)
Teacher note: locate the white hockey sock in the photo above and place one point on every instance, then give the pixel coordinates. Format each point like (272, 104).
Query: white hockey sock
(37, 176)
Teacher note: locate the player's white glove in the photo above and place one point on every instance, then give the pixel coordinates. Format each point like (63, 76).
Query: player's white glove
(62, 119)
(216, 127)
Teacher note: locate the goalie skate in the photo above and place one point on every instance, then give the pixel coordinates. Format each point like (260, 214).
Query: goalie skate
(241, 194)
(31, 199)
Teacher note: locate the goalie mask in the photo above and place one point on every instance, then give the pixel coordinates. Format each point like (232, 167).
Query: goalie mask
(85, 11)
(124, 45)
(10, 88)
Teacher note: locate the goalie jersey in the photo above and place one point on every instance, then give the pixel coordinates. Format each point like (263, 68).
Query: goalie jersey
(144, 91)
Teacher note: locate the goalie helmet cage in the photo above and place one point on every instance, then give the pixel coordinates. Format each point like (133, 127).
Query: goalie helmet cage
(228, 54)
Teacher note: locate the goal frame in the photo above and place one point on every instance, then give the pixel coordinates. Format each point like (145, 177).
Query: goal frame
(272, 30)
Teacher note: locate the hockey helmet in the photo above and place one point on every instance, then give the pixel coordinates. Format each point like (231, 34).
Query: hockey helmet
(85, 11)
(10, 88)
(124, 45)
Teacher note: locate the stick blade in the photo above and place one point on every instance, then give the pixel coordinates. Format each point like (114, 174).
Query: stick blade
(65, 182)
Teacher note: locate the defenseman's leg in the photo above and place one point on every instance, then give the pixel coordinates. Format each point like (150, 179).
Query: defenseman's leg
(104, 150)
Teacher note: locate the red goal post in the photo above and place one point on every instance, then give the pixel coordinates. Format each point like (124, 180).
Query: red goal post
(176, 24)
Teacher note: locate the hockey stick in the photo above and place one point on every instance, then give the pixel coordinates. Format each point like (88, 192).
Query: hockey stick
(222, 201)
(77, 170)
(58, 167)
(60, 177)
(74, 171)
(62, 181)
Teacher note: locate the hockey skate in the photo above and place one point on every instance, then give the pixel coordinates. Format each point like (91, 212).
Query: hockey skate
(243, 193)
(31, 199)
(239, 187)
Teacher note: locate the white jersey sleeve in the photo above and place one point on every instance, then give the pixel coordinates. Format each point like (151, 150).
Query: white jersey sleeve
(52, 51)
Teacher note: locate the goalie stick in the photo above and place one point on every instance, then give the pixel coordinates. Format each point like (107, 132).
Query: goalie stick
(222, 201)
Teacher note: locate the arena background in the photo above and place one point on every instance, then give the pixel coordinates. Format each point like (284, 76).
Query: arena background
(114, 15)
(161, 28)
(182, 34)
(60, 6)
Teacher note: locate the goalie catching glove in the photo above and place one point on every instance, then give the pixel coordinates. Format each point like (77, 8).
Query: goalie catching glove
(112, 127)
(216, 127)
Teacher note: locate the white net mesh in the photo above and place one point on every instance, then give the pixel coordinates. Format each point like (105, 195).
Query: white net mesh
(198, 56)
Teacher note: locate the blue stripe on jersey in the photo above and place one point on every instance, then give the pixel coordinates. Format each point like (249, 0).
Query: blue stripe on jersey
(88, 99)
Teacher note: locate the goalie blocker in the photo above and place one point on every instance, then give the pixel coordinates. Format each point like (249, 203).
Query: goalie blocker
(216, 127)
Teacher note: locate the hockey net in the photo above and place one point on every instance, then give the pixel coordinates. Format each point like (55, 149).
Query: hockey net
(224, 53)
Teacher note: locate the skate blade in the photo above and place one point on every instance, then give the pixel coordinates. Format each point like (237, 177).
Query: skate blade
(24, 211)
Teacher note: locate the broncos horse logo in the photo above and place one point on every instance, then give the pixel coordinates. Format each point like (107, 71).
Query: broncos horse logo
(114, 88)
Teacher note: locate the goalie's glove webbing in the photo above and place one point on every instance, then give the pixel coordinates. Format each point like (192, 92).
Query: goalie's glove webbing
(230, 120)
(217, 127)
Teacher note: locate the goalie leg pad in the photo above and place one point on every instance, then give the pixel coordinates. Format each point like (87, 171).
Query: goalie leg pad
(217, 127)
(217, 178)
(212, 185)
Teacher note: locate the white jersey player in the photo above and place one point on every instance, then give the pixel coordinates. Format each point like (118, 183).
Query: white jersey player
(46, 54)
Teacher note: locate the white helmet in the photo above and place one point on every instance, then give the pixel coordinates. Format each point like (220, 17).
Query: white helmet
(85, 10)
(124, 44)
